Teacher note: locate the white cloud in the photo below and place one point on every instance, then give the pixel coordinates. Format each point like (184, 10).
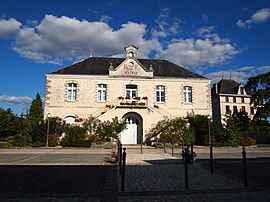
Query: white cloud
(166, 25)
(9, 27)
(105, 19)
(240, 75)
(55, 39)
(261, 16)
(209, 49)
(58, 39)
(15, 99)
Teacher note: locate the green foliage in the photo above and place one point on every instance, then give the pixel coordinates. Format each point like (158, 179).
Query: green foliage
(10, 124)
(35, 119)
(232, 132)
(77, 143)
(20, 141)
(110, 129)
(247, 141)
(53, 140)
(259, 86)
(108, 145)
(75, 135)
(175, 131)
(91, 125)
(199, 124)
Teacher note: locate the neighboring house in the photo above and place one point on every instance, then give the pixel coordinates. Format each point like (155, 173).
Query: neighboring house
(141, 91)
(228, 97)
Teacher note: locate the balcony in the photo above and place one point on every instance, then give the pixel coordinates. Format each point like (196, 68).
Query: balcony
(136, 102)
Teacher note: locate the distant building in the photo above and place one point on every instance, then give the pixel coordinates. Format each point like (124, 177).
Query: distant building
(141, 91)
(228, 97)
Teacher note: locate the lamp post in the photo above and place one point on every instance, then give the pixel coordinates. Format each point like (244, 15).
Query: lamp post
(209, 129)
(48, 128)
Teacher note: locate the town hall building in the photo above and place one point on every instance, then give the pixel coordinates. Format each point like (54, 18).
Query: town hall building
(140, 91)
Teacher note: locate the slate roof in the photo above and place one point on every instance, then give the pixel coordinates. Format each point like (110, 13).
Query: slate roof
(227, 86)
(100, 66)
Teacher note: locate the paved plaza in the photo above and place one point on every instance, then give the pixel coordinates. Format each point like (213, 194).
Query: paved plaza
(84, 175)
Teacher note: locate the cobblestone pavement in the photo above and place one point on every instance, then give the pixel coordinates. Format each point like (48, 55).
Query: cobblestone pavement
(155, 176)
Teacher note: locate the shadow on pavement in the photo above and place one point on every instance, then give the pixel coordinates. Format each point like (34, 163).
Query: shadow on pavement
(96, 181)
(258, 174)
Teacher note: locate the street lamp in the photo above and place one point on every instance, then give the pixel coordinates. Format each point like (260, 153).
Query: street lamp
(48, 128)
(209, 129)
(26, 112)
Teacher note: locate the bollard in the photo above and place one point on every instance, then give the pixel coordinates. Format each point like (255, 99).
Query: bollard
(186, 167)
(211, 158)
(141, 147)
(172, 150)
(245, 166)
(120, 159)
(192, 157)
(123, 170)
(165, 148)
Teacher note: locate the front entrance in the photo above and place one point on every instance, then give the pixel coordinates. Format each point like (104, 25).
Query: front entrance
(133, 132)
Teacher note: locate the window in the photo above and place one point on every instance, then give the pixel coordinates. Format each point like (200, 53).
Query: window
(251, 110)
(187, 94)
(102, 92)
(235, 110)
(242, 100)
(69, 119)
(131, 91)
(228, 111)
(72, 92)
(160, 93)
(243, 109)
(234, 99)
(226, 99)
(242, 90)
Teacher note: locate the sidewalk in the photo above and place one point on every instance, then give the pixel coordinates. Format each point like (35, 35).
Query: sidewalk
(155, 176)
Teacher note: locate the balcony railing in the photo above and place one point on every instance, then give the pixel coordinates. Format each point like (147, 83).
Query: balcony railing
(136, 102)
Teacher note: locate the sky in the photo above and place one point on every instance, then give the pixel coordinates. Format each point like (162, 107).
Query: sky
(213, 38)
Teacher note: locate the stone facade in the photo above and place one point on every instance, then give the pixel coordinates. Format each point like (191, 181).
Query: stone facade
(227, 99)
(129, 73)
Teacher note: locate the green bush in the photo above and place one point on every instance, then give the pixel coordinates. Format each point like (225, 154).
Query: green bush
(38, 143)
(75, 135)
(19, 141)
(53, 140)
(77, 143)
(108, 145)
(247, 141)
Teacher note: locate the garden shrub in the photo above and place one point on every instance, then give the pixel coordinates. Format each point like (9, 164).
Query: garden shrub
(247, 141)
(75, 137)
(19, 141)
(53, 140)
(108, 145)
(38, 143)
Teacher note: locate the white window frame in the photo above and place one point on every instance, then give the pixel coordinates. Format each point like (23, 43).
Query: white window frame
(132, 92)
(187, 94)
(72, 91)
(102, 92)
(159, 90)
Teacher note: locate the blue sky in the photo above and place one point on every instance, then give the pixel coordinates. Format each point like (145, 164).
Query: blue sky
(208, 37)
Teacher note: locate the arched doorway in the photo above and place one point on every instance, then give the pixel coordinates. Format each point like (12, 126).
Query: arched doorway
(133, 134)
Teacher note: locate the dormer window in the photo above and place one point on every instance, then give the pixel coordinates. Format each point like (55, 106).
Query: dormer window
(242, 90)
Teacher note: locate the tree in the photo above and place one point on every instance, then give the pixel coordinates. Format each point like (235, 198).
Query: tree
(110, 129)
(175, 131)
(259, 87)
(35, 118)
(232, 132)
(91, 124)
(10, 124)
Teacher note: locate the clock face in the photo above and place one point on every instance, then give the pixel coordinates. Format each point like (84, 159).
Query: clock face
(131, 64)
